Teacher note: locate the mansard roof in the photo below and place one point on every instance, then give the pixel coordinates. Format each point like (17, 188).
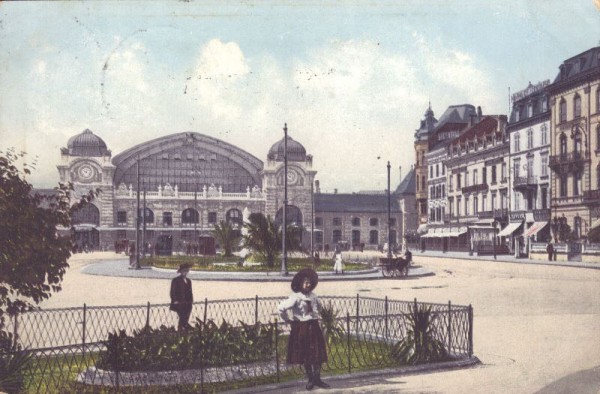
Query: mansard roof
(577, 69)
(407, 186)
(487, 125)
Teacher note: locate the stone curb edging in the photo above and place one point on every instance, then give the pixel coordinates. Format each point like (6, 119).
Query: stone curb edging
(408, 370)
(499, 259)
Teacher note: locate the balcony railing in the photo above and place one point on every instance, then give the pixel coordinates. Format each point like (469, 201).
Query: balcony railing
(591, 196)
(475, 188)
(541, 215)
(485, 214)
(570, 158)
(501, 213)
(525, 181)
(517, 215)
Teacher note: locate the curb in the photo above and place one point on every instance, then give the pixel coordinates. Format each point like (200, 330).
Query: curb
(406, 370)
(519, 261)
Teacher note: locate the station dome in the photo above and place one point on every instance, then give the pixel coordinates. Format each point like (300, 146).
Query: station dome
(295, 150)
(87, 144)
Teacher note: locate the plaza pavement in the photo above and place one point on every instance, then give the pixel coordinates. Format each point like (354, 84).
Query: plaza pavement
(536, 325)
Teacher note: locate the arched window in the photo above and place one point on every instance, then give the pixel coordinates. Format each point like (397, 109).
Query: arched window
(355, 237)
(373, 221)
(88, 213)
(563, 145)
(530, 138)
(356, 221)
(148, 217)
(190, 216)
(374, 237)
(293, 216)
(563, 111)
(577, 144)
(577, 106)
(234, 217)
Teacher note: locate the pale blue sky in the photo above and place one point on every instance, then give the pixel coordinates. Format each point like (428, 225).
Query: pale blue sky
(351, 79)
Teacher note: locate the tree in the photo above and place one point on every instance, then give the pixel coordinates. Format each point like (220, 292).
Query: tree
(264, 237)
(33, 255)
(226, 236)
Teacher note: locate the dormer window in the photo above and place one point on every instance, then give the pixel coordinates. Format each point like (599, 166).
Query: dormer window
(517, 114)
(544, 104)
(529, 110)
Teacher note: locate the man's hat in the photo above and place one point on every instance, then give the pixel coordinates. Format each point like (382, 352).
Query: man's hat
(301, 275)
(184, 267)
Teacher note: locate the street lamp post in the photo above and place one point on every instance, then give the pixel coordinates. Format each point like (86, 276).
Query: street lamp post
(137, 220)
(494, 224)
(389, 212)
(284, 270)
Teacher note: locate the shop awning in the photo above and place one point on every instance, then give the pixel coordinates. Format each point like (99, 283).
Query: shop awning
(509, 229)
(84, 227)
(535, 227)
(422, 229)
(456, 232)
(595, 223)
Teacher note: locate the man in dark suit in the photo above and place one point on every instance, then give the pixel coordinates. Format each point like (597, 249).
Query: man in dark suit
(181, 296)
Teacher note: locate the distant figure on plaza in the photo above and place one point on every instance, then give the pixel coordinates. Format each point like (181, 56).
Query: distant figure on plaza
(306, 344)
(317, 260)
(408, 256)
(182, 297)
(550, 251)
(338, 265)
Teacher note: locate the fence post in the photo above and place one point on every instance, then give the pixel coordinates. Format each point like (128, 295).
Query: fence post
(205, 308)
(277, 349)
(357, 311)
(202, 352)
(470, 312)
(348, 340)
(84, 326)
(386, 318)
(256, 310)
(15, 329)
(449, 326)
(117, 367)
(148, 315)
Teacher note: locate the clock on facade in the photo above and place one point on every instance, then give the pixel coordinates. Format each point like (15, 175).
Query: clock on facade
(86, 172)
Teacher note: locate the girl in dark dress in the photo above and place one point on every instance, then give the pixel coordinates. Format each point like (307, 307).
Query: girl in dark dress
(306, 344)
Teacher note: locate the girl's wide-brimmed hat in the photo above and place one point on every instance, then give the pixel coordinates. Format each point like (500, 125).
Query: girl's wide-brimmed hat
(301, 275)
(184, 267)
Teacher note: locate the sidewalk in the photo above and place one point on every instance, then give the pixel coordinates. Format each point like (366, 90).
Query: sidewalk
(120, 268)
(500, 258)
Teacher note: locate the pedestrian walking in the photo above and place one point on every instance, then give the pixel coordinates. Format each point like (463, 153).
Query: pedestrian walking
(182, 296)
(317, 260)
(550, 250)
(306, 344)
(338, 265)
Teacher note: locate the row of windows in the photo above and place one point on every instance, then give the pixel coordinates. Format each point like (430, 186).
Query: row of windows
(438, 191)
(530, 142)
(562, 110)
(470, 206)
(337, 221)
(530, 109)
(188, 216)
(475, 177)
(437, 170)
(336, 236)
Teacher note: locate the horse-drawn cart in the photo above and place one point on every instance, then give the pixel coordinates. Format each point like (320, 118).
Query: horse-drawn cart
(394, 267)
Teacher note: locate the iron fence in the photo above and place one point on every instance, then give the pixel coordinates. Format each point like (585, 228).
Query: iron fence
(70, 348)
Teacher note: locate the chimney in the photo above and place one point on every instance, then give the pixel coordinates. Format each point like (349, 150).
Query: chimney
(400, 170)
(317, 187)
(479, 114)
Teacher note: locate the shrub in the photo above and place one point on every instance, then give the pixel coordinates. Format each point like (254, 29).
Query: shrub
(420, 345)
(206, 344)
(333, 331)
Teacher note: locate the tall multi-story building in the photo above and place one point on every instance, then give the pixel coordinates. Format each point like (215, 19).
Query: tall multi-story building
(575, 144)
(452, 122)
(529, 133)
(478, 184)
(422, 135)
